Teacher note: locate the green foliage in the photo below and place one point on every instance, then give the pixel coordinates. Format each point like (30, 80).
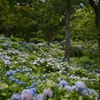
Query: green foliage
(83, 27)
(76, 51)
(25, 24)
(38, 21)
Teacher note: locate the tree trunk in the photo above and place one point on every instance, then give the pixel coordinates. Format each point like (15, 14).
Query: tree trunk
(67, 33)
(97, 21)
(48, 33)
(99, 42)
(7, 34)
(27, 39)
(48, 37)
(96, 8)
(97, 17)
(7, 31)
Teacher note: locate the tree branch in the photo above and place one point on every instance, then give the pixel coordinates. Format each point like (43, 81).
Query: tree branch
(92, 3)
(99, 3)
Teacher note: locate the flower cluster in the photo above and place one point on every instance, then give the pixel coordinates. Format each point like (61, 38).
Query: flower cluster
(26, 94)
(30, 66)
(47, 93)
(79, 86)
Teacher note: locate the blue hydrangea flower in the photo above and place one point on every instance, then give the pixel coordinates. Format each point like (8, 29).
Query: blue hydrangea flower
(59, 79)
(14, 72)
(63, 82)
(18, 70)
(13, 79)
(33, 85)
(9, 50)
(33, 89)
(27, 87)
(3, 57)
(39, 80)
(68, 74)
(10, 77)
(46, 80)
(20, 83)
(25, 70)
(16, 80)
(80, 86)
(30, 91)
(9, 73)
(16, 96)
(5, 44)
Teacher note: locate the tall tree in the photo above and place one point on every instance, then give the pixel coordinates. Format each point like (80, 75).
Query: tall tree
(96, 7)
(5, 18)
(25, 22)
(67, 33)
(50, 13)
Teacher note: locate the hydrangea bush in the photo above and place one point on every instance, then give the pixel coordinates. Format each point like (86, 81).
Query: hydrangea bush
(31, 71)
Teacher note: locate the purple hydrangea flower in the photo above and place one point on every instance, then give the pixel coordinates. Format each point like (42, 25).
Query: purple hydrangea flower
(16, 96)
(80, 86)
(39, 97)
(91, 91)
(26, 96)
(68, 88)
(59, 85)
(47, 93)
(73, 87)
(84, 92)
